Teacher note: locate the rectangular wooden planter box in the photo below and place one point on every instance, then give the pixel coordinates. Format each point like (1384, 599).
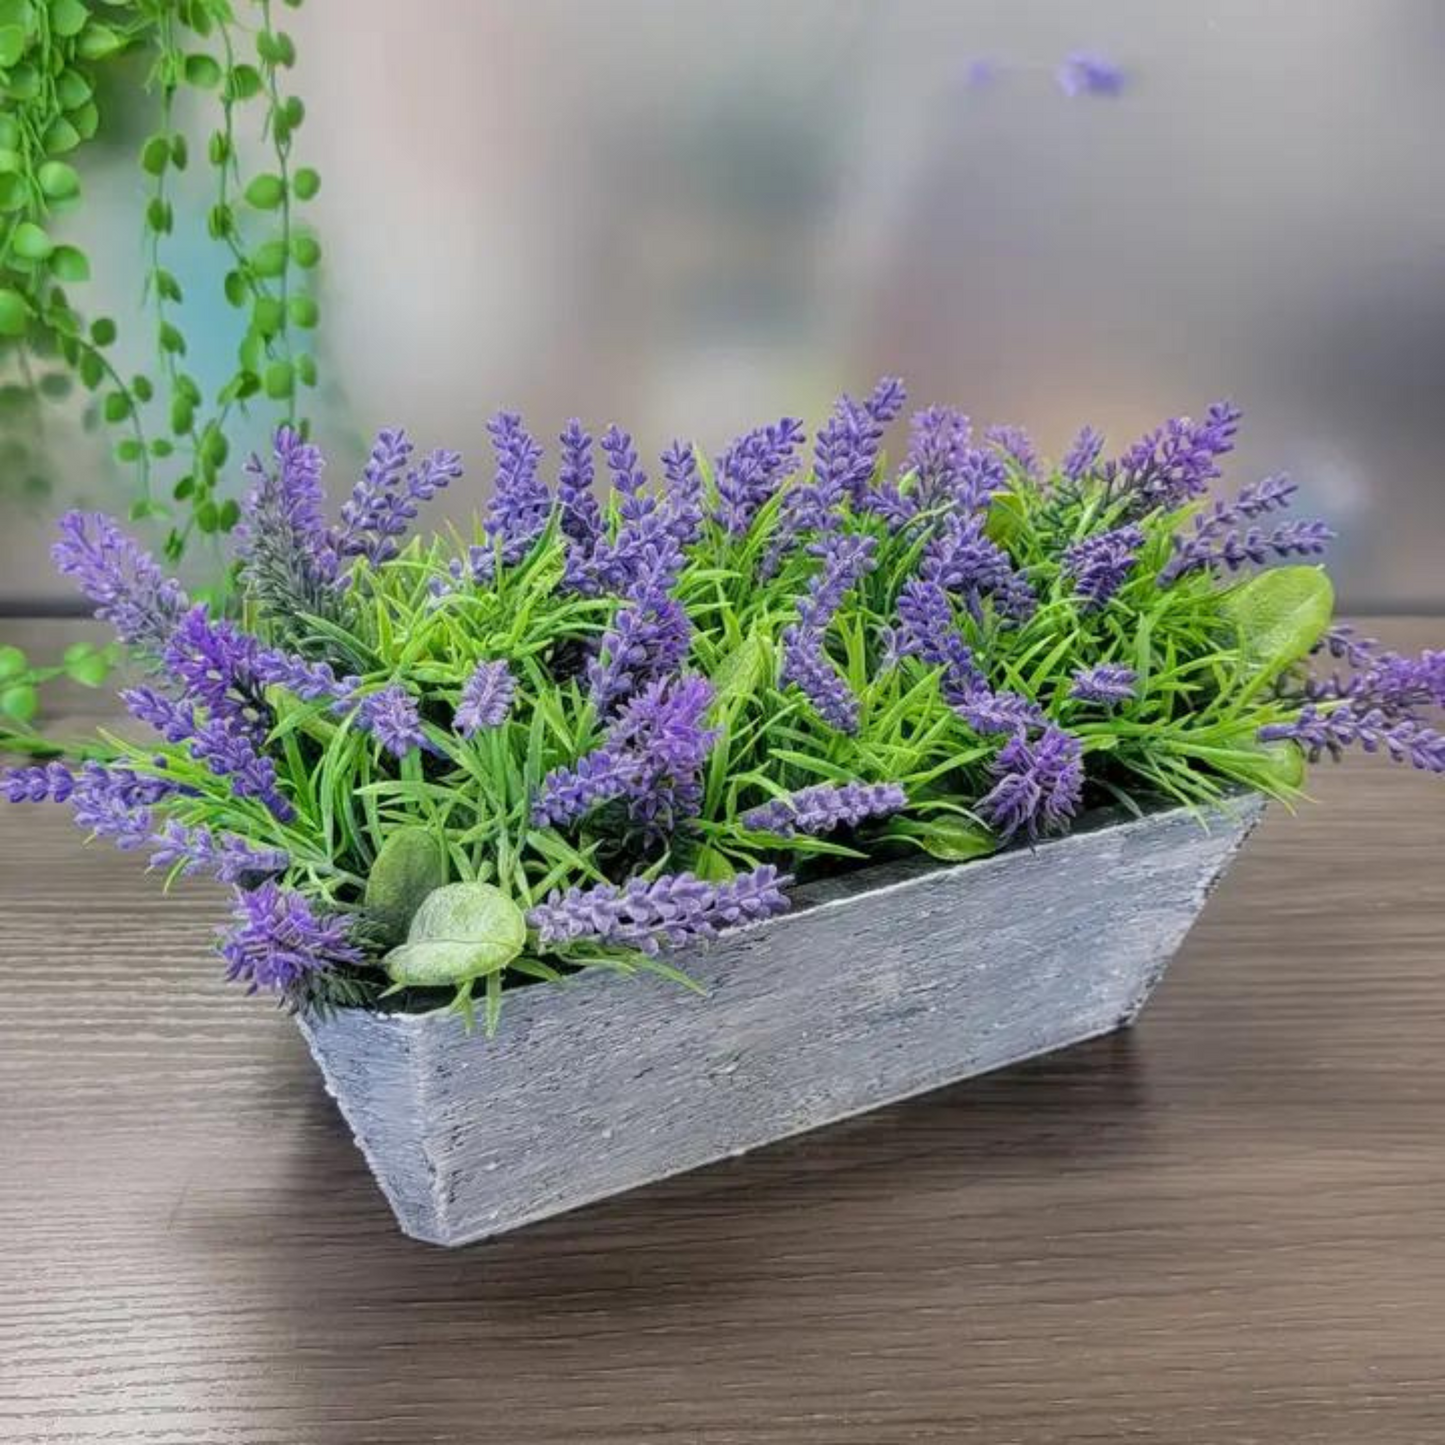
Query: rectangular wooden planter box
(881, 984)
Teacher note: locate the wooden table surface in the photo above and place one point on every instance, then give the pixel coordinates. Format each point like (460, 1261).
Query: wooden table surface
(1225, 1226)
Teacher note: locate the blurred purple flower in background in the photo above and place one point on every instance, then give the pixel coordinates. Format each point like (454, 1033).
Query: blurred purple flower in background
(1086, 72)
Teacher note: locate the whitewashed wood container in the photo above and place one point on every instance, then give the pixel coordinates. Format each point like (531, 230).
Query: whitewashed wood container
(882, 984)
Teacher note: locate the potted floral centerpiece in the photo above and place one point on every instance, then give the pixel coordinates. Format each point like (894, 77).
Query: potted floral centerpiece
(490, 809)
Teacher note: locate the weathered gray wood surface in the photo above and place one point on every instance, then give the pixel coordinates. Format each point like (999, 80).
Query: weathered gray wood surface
(879, 986)
(1222, 1226)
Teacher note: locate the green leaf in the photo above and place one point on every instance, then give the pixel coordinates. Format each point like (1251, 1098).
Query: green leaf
(61, 137)
(31, 243)
(68, 17)
(14, 194)
(951, 839)
(278, 380)
(98, 41)
(305, 251)
(14, 313)
(303, 311)
(305, 183)
(58, 180)
(69, 264)
(89, 670)
(266, 192)
(102, 331)
(411, 865)
(270, 259)
(461, 931)
(117, 406)
(155, 155)
(235, 288)
(22, 702)
(12, 45)
(12, 662)
(243, 82)
(202, 71)
(267, 315)
(1281, 614)
(72, 89)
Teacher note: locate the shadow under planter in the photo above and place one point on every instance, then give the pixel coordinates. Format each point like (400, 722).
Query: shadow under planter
(885, 983)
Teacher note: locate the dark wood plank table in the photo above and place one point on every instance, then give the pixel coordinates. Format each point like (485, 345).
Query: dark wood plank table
(1225, 1226)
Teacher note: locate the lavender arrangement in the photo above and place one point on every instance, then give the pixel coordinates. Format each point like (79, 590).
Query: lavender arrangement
(622, 720)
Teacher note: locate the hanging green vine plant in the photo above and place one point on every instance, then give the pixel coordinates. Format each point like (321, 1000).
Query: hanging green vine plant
(171, 434)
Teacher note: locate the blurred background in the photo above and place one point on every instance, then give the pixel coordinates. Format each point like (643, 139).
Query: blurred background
(690, 216)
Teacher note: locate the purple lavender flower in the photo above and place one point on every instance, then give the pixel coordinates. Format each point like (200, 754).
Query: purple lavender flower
(1015, 444)
(649, 638)
(1176, 462)
(650, 915)
(1086, 72)
(944, 470)
(391, 716)
(520, 506)
(753, 468)
(999, 712)
(847, 558)
(1393, 684)
(227, 856)
(581, 516)
(845, 455)
(290, 553)
(825, 807)
(279, 940)
(1040, 784)
(1404, 739)
(384, 503)
(682, 500)
(629, 481)
(227, 748)
(1106, 683)
(1236, 549)
(486, 699)
(123, 582)
(309, 681)
(806, 663)
(962, 559)
(1343, 643)
(651, 760)
(927, 630)
(1100, 565)
(1083, 454)
(41, 783)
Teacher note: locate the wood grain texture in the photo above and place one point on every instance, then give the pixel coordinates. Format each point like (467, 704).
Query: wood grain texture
(1225, 1226)
(875, 987)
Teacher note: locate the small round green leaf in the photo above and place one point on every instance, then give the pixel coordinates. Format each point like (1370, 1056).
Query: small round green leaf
(266, 192)
(235, 288)
(305, 251)
(117, 406)
(278, 380)
(202, 71)
(14, 313)
(61, 137)
(72, 89)
(270, 259)
(69, 263)
(98, 41)
(306, 182)
(30, 243)
(303, 311)
(12, 662)
(267, 316)
(67, 17)
(461, 931)
(102, 331)
(12, 45)
(155, 155)
(58, 180)
(21, 702)
(89, 671)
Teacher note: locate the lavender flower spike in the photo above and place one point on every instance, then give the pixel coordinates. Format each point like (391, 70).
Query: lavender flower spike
(824, 807)
(486, 699)
(229, 857)
(753, 468)
(384, 502)
(581, 514)
(122, 580)
(1107, 683)
(1405, 739)
(927, 630)
(1176, 463)
(1040, 784)
(1016, 444)
(279, 940)
(518, 511)
(1083, 455)
(663, 912)
(392, 717)
(1236, 549)
(1100, 565)
(806, 663)
(1000, 712)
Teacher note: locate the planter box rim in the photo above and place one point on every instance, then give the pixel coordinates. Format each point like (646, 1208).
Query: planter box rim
(825, 892)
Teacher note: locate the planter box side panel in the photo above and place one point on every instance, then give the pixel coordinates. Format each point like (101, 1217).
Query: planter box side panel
(863, 1000)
